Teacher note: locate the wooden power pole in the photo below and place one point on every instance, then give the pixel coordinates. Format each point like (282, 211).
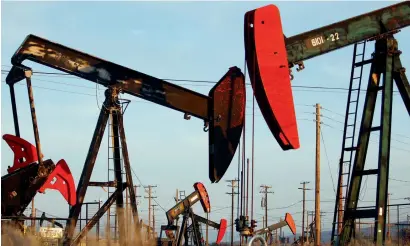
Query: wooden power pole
(234, 183)
(265, 203)
(317, 178)
(304, 189)
(149, 205)
(153, 219)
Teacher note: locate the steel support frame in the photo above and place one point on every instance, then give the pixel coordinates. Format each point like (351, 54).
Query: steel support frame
(109, 108)
(386, 62)
(101, 211)
(183, 232)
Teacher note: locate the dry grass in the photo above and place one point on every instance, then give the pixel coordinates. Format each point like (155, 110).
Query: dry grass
(12, 236)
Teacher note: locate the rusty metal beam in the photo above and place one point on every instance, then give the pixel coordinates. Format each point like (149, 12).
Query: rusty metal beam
(385, 139)
(103, 184)
(347, 32)
(16, 74)
(106, 73)
(401, 81)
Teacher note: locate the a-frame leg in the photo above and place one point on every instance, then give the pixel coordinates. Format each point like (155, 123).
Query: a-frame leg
(363, 141)
(87, 170)
(127, 167)
(115, 114)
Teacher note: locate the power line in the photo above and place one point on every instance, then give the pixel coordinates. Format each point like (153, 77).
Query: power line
(330, 126)
(328, 162)
(397, 134)
(139, 180)
(404, 181)
(202, 81)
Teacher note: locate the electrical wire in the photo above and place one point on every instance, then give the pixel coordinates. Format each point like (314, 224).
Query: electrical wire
(139, 180)
(392, 147)
(198, 81)
(328, 162)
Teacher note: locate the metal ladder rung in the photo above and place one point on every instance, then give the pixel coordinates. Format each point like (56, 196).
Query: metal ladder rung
(375, 128)
(350, 149)
(362, 63)
(368, 172)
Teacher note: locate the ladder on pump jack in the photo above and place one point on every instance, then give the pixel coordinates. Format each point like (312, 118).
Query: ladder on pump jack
(112, 213)
(349, 134)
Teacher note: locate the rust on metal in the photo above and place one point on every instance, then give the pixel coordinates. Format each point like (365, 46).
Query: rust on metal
(20, 186)
(109, 74)
(227, 117)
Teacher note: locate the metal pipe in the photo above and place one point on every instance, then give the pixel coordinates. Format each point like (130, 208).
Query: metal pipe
(253, 151)
(258, 237)
(239, 178)
(247, 186)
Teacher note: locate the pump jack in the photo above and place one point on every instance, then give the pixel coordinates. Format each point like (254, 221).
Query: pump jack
(223, 112)
(264, 37)
(287, 222)
(256, 234)
(221, 227)
(184, 208)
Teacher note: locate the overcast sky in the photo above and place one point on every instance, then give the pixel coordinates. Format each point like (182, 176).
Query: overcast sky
(193, 41)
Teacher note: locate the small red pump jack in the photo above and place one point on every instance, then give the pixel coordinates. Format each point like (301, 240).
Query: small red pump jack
(25, 158)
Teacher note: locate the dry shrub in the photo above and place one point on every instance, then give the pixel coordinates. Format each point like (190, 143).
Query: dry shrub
(11, 235)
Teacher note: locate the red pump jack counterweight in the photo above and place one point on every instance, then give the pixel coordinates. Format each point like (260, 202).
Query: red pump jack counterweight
(22, 182)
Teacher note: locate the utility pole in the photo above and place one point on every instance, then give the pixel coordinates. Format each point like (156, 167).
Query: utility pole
(180, 194)
(265, 203)
(307, 224)
(153, 219)
(304, 189)
(149, 204)
(317, 179)
(233, 185)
